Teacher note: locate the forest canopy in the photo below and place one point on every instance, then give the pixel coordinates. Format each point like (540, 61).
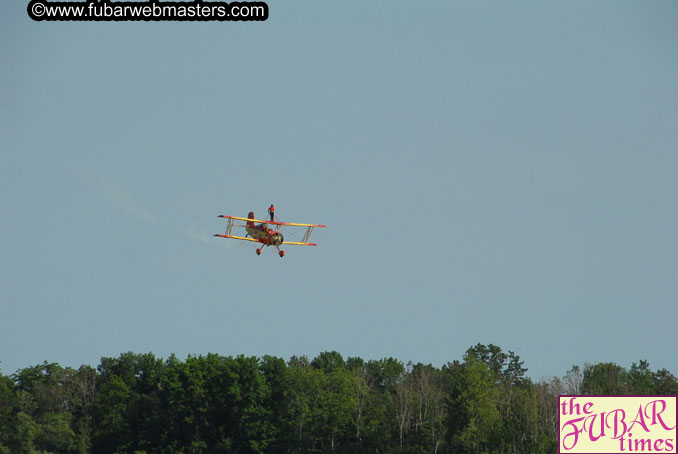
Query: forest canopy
(141, 404)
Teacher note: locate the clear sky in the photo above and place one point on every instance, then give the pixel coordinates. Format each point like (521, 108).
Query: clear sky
(489, 171)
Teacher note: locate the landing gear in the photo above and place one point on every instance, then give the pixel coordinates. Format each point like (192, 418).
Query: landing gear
(281, 253)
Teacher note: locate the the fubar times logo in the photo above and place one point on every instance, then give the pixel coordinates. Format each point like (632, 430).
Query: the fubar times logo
(617, 424)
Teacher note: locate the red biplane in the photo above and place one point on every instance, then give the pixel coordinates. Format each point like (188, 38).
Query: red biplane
(259, 232)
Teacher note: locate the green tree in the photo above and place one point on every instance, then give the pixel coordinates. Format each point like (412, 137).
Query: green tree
(383, 374)
(504, 365)
(573, 381)
(516, 401)
(305, 387)
(51, 416)
(338, 405)
(83, 384)
(384, 377)
(184, 402)
(26, 432)
(605, 379)
(428, 407)
(139, 404)
(546, 394)
(126, 411)
(328, 361)
(255, 426)
(8, 409)
(666, 383)
(275, 373)
(640, 378)
(473, 418)
(403, 408)
(360, 393)
(112, 426)
(55, 435)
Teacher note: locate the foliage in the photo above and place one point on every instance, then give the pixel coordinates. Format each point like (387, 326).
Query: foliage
(137, 403)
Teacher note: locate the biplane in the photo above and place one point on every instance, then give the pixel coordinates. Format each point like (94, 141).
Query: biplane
(258, 231)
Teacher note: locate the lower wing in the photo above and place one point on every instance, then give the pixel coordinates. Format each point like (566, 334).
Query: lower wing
(237, 238)
(299, 244)
(293, 243)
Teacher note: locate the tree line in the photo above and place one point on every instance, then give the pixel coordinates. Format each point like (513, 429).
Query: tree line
(140, 404)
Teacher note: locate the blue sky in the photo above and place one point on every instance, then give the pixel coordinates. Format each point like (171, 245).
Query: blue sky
(493, 172)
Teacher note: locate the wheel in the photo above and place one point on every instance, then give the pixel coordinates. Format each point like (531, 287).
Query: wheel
(259, 251)
(282, 253)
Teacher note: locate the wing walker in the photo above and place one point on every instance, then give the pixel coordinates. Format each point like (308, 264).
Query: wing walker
(259, 231)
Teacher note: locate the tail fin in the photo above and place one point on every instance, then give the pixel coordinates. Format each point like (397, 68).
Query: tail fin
(250, 216)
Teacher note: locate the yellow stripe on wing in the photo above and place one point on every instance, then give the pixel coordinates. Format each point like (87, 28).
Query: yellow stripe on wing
(237, 237)
(244, 219)
(294, 224)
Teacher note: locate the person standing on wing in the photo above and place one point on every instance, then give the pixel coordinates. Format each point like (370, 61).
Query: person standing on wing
(271, 211)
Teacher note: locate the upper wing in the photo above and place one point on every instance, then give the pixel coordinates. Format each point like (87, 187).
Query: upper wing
(297, 224)
(237, 237)
(242, 219)
(271, 222)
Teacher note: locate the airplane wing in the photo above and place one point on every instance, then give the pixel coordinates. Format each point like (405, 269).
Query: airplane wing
(237, 237)
(299, 244)
(259, 221)
(243, 219)
(297, 224)
(294, 243)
